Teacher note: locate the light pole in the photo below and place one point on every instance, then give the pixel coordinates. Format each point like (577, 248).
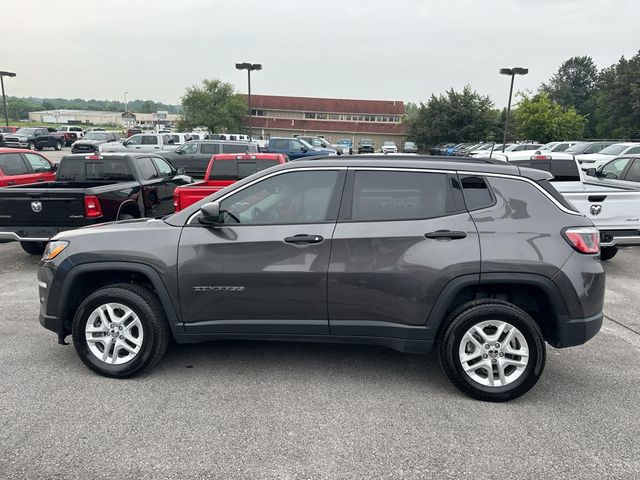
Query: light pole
(512, 72)
(126, 109)
(249, 67)
(4, 99)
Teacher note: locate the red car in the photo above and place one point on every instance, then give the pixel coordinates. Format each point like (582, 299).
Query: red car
(223, 170)
(19, 166)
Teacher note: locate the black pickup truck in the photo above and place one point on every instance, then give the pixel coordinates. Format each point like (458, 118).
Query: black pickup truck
(88, 189)
(34, 138)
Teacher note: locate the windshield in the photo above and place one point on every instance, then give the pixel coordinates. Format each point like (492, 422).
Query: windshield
(390, 144)
(344, 142)
(616, 149)
(26, 131)
(366, 142)
(548, 146)
(578, 147)
(79, 170)
(6, 129)
(95, 136)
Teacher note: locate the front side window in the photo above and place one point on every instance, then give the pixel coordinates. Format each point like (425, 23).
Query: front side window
(189, 148)
(163, 167)
(147, 170)
(289, 198)
(38, 164)
(135, 140)
(12, 164)
(633, 175)
(387, 196)
(615, 168)
(633, 150)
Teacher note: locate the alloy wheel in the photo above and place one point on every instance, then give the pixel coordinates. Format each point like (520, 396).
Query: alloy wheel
(114, 333)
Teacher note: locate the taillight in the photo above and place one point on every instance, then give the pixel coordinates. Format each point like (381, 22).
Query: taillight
(176, 201)
(92, 208)
(583, 239)
(541, 157)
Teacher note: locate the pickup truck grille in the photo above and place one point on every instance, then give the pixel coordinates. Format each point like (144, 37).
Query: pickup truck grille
(10, 139)
(84, 148)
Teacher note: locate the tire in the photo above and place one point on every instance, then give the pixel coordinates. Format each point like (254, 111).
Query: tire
(58, 146)
(526, 338)
(34, 248)
(607, 253)
(126, 216)
(147, 322)
(31, 146)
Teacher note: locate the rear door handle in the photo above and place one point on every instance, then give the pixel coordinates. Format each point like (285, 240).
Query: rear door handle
(446, 234)
(303, 238)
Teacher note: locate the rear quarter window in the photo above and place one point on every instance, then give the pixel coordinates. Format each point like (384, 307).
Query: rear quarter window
(477, 193)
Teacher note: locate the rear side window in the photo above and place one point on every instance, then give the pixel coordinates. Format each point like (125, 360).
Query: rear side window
(550, 189)
(280, 144)
(149, 140)
(477, 193)
(234, 148)
(13, 164)
(210, 148)
(387, 196)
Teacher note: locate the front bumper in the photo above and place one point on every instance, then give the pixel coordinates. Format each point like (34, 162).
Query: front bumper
(570, 332)
(16, 144)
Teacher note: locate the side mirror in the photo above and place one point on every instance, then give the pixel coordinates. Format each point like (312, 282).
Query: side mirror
(591, 172)
(180, 171)
(54, 167)
(180, 152)
(210, 214)
(125, 143)
(304, 149)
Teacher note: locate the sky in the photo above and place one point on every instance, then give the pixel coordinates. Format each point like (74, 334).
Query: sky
(365, 49)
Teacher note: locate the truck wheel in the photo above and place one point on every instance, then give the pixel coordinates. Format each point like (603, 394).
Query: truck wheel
(119, 330)
(607, 253)
(58, 146)
(492, 351)
(31, 145)
(33, 248)
(126, 216)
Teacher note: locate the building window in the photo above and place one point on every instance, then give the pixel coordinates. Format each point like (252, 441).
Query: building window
(310, 115)
(258, 113)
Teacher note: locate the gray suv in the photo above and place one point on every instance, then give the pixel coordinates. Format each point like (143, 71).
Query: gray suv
(484, 262)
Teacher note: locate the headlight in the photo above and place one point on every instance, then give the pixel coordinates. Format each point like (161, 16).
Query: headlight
(54, 249)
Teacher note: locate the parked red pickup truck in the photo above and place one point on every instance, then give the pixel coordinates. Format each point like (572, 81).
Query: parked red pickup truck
(224, 170)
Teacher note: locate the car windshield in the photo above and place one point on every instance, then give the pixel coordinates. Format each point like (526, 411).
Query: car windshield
(390, 144)
(615, 149)
(344, 142)
(6, 129)
(95, 136)
(26, 131)
(409, 144)
(578, 147)
(548, 146)
(366, 142)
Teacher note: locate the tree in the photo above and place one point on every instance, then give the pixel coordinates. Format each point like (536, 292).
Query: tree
(148, 106)
(215, 105)
(540, 118)
(19, 108)
(617, 100)
(453, 117)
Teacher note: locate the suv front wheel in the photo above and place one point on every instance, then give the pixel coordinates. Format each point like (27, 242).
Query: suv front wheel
(120, 330)
(492, 350)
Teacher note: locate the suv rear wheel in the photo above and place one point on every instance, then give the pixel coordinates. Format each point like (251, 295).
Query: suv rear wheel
(492, 350)
(120, 330)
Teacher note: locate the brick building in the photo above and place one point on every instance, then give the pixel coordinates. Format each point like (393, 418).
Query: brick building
(333, 119)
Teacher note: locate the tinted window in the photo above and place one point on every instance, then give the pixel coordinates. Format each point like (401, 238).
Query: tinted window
(633, 150)
(476, 192)
(38, 164)
(94, 170)
(238, 169)
(380, 196)
(147, 170)
(149, 140)
(210, 148)
(12, 164)
(280, 144)
(290, 198)
(563, 170)
(234, 148)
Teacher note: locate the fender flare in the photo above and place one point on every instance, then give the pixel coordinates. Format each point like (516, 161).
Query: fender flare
(455, 286)
(171, 312)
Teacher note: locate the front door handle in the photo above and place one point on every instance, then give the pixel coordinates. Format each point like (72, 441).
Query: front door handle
(446, 235)
(303, 238)
(11, 182)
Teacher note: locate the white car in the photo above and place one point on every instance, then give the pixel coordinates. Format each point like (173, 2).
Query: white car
(557, 146)
(389, 147)
(594, 160)
(486, 150)
(71, 129)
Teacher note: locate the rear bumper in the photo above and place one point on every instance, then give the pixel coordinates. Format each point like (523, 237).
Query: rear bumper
(571, 332)
(612, 238)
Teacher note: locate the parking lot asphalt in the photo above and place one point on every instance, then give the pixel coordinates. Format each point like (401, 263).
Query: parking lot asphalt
(287, 410)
